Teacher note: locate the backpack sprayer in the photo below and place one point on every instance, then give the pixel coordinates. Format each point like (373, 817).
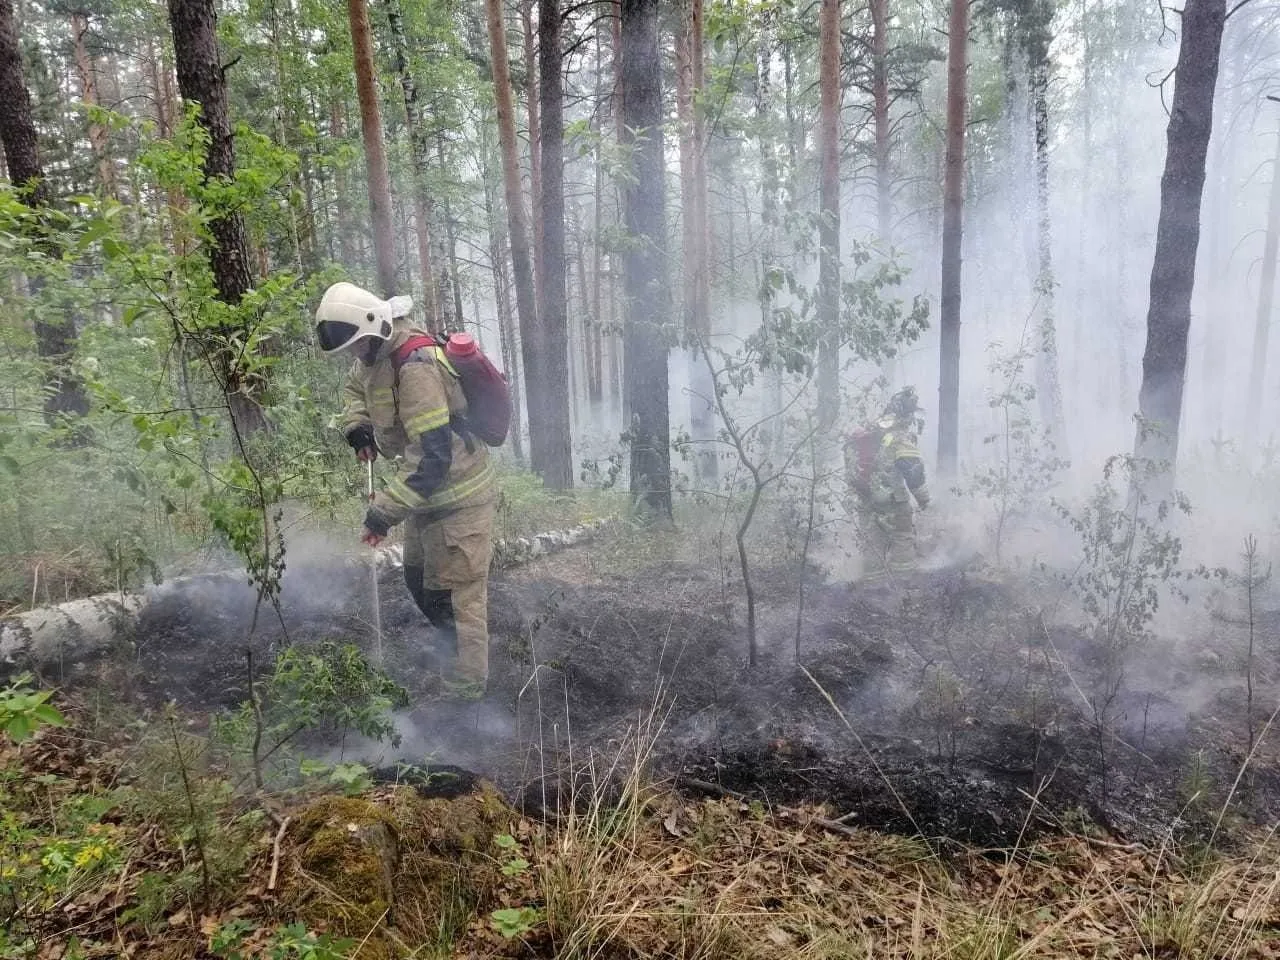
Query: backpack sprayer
(373, 565)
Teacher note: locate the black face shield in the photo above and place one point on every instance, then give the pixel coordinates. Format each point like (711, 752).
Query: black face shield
(334, 335)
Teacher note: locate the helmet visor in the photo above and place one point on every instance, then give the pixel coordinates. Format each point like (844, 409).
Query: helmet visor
(334, 334)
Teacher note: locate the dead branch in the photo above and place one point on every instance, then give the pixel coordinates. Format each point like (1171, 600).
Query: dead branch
(275, 853)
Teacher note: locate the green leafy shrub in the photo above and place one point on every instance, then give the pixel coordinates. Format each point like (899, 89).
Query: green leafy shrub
(23, 710)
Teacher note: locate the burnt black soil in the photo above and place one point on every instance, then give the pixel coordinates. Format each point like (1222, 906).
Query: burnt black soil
(940, 708)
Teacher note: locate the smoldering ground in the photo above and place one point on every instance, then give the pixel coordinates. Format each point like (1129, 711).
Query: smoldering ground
(955, 704)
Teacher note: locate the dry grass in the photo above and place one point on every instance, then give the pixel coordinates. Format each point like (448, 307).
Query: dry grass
(720, 879)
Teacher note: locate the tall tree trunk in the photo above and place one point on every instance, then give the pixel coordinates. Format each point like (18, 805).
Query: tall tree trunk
(1266, 303)
(769, 218)
(55, 329)
(697, 319)
(1178, 235)
(375, 154)
(550, 429)
(829, 227)
(449, 292)
(498, 252)
(595, 363)
(88, 76)
(880, 114)
(645, 281)
(535, 137)
(517, 222)
(420, 146)
(617, 392)
(589, 382)
(952, 229)
(341, 182)
(202, 79)
(447, 296)
(283, 138)
(1048, 378)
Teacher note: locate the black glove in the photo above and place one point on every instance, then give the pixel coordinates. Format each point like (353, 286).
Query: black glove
(375, 522)
(361, 440)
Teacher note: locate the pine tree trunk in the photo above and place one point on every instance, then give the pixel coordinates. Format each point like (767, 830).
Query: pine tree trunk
(449, 293)
(645, 282)
(419, 145)
(341, 183)
(1266, 304)
(201, 79)
(498, 252)
(829, 226)
(550, 436)
(521, 261)
(880, 115)
(769, 218)
(1048, 379)
(595, 363)
(55, 330)
(1178, 235)
(375, 155)
(617, 391)
(952, 228)
(533, 101)
(697, 321)
(88, 77)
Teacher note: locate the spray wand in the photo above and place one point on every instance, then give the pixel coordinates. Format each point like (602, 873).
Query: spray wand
(373, 565)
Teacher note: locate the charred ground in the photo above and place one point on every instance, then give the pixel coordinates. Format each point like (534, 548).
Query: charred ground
(943, 706)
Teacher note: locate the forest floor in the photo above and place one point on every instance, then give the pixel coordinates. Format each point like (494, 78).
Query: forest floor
(906, 771)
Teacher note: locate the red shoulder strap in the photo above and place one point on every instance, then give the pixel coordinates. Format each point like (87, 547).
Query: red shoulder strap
(416, 342)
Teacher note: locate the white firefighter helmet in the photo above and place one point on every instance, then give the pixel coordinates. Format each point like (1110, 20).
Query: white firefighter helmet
(347, 314)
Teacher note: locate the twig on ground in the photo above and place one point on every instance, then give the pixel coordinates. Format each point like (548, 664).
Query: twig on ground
(834, 826)
(275, 853)
(1112, 845)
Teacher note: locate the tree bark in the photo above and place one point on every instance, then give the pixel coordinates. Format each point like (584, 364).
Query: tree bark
(535, 137)
(1048, 375)
(769, 218)
(646, 352)
(54, 329)
(595, 363)
(375, 155)
(498, 252)
(202, 79)
(697, 306)
(829, 213)
(1178, 236)
(517, 222)
(617, 390)
(87, 74)
(550, 436)
(880, 115)
(420, 146)
(952, 230)
(1266, 303)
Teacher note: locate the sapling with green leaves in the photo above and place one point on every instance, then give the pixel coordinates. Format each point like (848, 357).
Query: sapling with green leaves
(1025, 467)
(873, 325)
(24, 710)
(333, 689)
(1130, 558)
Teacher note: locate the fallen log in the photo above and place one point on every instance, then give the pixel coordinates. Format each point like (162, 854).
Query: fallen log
(71, 632)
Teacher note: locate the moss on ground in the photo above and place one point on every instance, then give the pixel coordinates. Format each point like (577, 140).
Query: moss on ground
(400, 871)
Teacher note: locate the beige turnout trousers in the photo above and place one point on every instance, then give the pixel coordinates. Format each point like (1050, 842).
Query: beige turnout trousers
(453, 551)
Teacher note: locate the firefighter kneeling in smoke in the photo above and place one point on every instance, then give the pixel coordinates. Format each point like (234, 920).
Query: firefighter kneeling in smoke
(885, 474)
(404, 396)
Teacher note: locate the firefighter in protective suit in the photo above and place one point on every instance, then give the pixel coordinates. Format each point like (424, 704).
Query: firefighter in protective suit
(886, 478)
(409, 402)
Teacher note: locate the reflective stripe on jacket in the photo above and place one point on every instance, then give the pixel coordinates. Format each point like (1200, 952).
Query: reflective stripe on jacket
(403, 405)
